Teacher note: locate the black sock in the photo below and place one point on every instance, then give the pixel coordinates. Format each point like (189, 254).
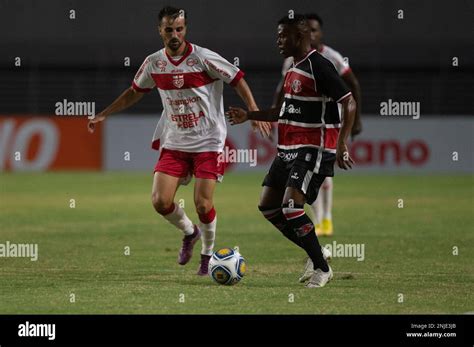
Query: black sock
(300, 224)
(275, 216)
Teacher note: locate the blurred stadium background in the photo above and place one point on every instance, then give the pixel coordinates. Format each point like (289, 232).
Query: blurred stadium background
(86, 58)
(426, 57)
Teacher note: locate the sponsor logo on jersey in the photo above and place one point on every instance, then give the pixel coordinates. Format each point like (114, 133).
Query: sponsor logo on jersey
(296, 86)
(287, 156)
(186, 101)
(178, 81)
(293, 110)
(140, 71)
(161, 64)
(294, 175)
(218, 70)
(191, 62)
(186, 121)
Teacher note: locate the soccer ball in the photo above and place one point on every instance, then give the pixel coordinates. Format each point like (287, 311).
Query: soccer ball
(227, 266)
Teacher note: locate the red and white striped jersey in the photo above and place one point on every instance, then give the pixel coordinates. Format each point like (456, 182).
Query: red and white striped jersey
(342, 67)
(310, 116)
(191, 92)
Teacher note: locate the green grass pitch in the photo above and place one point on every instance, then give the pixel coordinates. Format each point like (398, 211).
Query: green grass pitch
(409, 265)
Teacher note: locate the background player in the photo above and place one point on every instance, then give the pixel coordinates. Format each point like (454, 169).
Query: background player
(322, 207)
(310, 139)
(190, 80)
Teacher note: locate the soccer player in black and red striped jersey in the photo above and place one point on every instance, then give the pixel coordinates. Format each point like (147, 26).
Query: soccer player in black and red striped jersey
(311, 138)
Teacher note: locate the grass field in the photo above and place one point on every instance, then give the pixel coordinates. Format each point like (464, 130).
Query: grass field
(408, 250)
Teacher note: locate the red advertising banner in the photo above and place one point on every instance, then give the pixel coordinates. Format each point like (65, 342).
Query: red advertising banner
(40, 143)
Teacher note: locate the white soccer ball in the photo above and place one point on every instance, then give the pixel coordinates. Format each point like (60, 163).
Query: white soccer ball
(227, 266)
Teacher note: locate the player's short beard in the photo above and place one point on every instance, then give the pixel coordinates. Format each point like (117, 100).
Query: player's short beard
(171, 47)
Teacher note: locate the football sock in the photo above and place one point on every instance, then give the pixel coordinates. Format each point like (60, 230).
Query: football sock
(317, 210)
(303, 228)
(327, 198)
(176, 216)
(208, 228)
(275, 216)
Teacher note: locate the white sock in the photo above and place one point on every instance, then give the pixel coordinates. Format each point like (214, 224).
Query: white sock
(317, 209)
(179, 219)
(208, 236)
(327, 198)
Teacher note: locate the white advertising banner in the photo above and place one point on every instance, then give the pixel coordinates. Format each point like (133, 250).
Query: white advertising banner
(387, 145)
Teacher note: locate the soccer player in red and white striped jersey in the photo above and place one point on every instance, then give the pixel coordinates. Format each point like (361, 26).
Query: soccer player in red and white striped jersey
(322, 207)
(311, 138)
(192, 131)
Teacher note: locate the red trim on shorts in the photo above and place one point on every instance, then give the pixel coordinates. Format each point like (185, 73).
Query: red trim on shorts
(206, 165)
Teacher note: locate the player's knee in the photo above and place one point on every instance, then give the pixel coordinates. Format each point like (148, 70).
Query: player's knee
(161, 205)
(263, 208)
(203, 206)
(327, 184)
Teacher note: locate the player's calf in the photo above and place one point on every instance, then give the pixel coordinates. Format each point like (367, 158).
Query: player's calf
(303, 228)
(275, 216)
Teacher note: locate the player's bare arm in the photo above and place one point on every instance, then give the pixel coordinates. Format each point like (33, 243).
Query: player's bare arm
(245, 94)
(354, 86)
(279, 95)
(237, 115)
(343, 159)
(129, 97)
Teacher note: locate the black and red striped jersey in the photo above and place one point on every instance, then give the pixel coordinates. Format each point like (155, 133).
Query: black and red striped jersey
(310, 115)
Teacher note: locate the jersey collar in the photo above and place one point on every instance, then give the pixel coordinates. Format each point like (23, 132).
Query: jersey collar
(177, 62)
(305, 57)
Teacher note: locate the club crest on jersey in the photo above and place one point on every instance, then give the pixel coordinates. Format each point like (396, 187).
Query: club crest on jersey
(191, 62)
(178, 81)
(161, 64)
(296, 86)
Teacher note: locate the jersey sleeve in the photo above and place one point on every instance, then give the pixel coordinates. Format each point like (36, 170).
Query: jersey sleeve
(143, 82)
(340, 64)
(218, 67)
(329, 80)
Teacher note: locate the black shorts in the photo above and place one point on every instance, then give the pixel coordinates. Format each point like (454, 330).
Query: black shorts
(304, 169)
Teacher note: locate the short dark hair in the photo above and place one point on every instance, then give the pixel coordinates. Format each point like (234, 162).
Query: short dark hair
(316, 17)
(173, 12)
(296, 19)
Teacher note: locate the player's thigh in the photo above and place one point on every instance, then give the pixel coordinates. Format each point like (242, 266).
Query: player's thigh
(271, 196)
(274, 184)
(203, 194)
(294, 196)
(164, 189)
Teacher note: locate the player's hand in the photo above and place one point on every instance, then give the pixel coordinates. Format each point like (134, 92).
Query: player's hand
(236, 115)
(343, 159)
(265, 128)
(92, 122)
